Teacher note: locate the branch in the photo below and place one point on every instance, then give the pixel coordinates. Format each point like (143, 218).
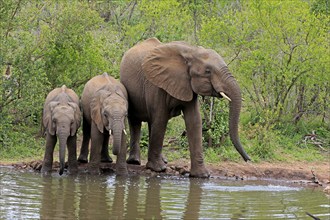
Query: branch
(12, 18)
(236, 55)
(293, 82)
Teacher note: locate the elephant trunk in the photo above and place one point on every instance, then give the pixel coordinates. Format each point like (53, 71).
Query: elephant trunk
(234, 112)
(62, 145)
(226, 85)
(118, 130)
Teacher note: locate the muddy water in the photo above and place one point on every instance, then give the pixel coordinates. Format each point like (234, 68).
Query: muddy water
(28, 195)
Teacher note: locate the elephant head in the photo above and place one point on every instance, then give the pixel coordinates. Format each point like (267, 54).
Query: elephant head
(109, 110)
(62, 119)
(183, 70)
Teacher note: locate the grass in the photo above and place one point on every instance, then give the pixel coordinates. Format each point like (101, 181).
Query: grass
(22, 146)
(285, 142)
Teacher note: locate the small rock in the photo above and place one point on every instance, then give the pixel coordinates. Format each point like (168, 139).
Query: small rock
(56, 164)
(327, 190)
(34, 164)
(177, 168)
(38, 167)
(168, 170)
(183, 171)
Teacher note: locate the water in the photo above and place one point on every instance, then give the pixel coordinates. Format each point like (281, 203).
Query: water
(28, 195)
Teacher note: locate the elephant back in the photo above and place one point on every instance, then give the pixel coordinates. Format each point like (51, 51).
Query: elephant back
(55, 94)
(93, 85)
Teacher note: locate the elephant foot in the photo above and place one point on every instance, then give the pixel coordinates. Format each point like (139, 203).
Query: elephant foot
(82, 159)
(164, 159)
(46, 170)
(93, 171)
(132, 159)
(199, 173)
(73, 169)
(158, 166)
(106, 159)
(93, 168)
(121, 170)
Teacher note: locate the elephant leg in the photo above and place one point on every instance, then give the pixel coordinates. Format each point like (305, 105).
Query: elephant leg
(156, 137)
(193, 123)
(134, 153)
(48, 157)
(85, 143)
(96, 147)
(72, 154)
(105, 157)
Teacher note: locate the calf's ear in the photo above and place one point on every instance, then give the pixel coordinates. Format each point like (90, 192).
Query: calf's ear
(77, 117)
(48, 117)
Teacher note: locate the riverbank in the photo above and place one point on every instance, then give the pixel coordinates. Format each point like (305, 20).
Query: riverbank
(315, 173)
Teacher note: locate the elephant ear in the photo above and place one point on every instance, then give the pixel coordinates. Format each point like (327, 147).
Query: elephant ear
(96, 108)
(77, 114)
(47, 117)
(166, 67)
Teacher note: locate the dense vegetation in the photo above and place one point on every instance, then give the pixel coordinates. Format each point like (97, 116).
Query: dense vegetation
(278, 51)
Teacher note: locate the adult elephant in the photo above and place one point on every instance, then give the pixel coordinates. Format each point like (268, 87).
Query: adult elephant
(104, 104)
(163, 80)
(61, 119)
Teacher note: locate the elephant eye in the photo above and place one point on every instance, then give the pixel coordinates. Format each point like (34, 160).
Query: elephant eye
(208, 72)
(105, 114)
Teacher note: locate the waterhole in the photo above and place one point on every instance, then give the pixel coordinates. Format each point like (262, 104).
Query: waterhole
(29, 195)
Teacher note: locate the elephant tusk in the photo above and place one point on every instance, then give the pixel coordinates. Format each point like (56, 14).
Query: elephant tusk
(110, 132)
(225, 96)
(124, 131)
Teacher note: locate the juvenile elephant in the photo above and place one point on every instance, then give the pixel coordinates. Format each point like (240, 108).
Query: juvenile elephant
(61, 119)
(163, 80)
(104, 103)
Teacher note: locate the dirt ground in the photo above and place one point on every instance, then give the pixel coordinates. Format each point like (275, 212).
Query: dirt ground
(316, 173)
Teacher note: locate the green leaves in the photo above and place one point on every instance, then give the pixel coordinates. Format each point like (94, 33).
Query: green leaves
(277, 50)
(274, 47)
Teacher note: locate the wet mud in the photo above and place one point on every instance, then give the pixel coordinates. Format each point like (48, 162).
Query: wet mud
(317, 173)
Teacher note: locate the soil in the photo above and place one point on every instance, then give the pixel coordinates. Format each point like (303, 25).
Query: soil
(314, 173)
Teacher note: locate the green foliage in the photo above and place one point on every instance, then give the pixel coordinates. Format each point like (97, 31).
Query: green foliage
(19, 144)
(277, 50)
(215, 121)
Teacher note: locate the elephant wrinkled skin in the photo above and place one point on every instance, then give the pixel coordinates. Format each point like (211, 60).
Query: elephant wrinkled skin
(61, 119)
(104, 103)
(163, 80)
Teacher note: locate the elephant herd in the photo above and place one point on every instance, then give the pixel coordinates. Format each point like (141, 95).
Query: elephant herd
(158, 81)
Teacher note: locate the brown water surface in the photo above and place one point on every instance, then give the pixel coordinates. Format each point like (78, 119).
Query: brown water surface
(29, 195)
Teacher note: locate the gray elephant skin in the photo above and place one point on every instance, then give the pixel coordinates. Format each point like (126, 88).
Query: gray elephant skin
(163, 80)
(61, 119)
(104, 104)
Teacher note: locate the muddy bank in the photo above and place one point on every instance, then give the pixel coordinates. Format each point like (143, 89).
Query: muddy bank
(311, 173)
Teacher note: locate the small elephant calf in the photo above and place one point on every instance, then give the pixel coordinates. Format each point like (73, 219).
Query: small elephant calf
(61, 119)
(104, 104)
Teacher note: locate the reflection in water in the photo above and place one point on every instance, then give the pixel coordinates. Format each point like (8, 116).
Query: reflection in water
(32, 196)
(152, 201)
(92, 197)
(58, 197)
(194, 200)
(119, 203)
